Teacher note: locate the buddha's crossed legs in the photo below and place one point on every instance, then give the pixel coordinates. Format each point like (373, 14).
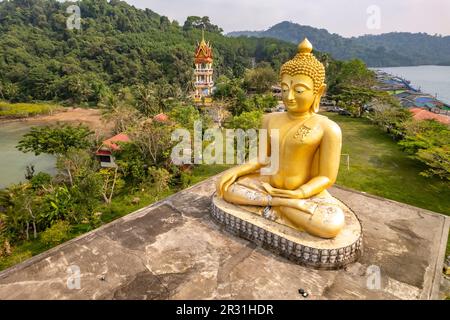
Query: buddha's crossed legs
(320, 215)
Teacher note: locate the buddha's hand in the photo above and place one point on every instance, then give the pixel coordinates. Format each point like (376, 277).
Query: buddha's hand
(226, 181)
(281, 193)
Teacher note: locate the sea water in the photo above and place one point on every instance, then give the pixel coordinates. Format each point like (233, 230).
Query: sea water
(434, 80)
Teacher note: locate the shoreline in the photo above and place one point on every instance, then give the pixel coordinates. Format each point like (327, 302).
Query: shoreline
(409, 96)
(418, 87)
(16, 161)
(420, 65)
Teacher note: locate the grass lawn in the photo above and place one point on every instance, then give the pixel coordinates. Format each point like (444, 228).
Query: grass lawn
(378, 166)
(24, 110)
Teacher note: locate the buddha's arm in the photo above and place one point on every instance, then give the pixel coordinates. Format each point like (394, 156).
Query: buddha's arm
(253, 166)
(329, 159)
(233, 174)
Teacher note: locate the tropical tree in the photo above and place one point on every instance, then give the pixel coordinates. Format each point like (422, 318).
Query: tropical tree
(160, 178)
(352, 73)
(229, 89)
(55, 140)
(124, 118)
(261, 78)
(58, 204)
(392, 119)
(429, 142)
(354, 99)
(111, 183)
(154, 98)
(246, 120)
(20, 210)
(200, 23)
(5, 246)
(185, 116)
(74, 163)
(153, 140)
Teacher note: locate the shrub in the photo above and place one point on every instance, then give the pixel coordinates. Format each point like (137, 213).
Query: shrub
(56, 234)
(186, 179)
(246, 120)
(5, 247)
(428, 141)
(160, 178)
(41, 179)
(57, 205)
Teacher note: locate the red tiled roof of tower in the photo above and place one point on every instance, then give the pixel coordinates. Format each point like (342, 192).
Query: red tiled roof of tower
(203, 53)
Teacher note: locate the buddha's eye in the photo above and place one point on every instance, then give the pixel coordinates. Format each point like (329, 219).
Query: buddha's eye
(285, 89)
(299, 90)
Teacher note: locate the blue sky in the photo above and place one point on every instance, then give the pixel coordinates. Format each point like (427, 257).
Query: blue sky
(345, 17)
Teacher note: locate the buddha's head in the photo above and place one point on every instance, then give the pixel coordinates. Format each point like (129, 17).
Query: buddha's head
(303, 81)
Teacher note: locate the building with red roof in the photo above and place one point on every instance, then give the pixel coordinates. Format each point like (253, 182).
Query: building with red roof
(109, 146)
(105, 152)
(422, 114)
(162, 117)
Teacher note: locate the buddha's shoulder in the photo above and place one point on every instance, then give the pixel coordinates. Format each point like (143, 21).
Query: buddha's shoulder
(268, 117)
(328, 124)
(273, 115)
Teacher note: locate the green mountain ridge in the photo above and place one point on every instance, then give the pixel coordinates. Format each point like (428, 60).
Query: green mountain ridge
(385, 50)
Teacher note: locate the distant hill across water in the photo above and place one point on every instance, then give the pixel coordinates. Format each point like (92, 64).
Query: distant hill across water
(385, 50)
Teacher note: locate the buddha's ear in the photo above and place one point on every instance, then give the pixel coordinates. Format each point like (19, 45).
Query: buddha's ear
(319, 94)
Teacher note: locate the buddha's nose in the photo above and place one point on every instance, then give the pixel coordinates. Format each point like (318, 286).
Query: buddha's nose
(291, 96)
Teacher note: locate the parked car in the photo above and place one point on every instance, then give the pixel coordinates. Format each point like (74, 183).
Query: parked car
(328, 103)
(344, 112)
(333, 109)
(280, 108)
(368, 108)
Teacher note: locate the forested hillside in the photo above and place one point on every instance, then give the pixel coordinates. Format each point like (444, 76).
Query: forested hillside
(385, 50)
(118, 46)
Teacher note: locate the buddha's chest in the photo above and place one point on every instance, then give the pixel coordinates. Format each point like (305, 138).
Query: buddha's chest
(303, 138)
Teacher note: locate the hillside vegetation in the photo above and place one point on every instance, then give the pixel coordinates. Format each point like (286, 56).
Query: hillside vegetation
(118, 46)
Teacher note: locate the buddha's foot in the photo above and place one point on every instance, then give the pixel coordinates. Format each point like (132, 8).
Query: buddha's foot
(269, 213)
(306, 206)
(326, 221)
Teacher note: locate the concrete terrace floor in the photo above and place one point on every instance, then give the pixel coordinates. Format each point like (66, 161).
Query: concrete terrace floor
(174, 250)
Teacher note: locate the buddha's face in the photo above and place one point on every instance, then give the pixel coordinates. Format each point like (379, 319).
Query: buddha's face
(298, 93)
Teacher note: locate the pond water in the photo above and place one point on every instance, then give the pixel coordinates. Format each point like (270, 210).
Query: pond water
(13, 162)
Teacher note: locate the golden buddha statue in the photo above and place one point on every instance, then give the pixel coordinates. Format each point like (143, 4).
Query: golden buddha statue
(309, 155)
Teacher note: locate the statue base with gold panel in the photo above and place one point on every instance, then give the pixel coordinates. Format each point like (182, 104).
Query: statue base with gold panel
(298, 246)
